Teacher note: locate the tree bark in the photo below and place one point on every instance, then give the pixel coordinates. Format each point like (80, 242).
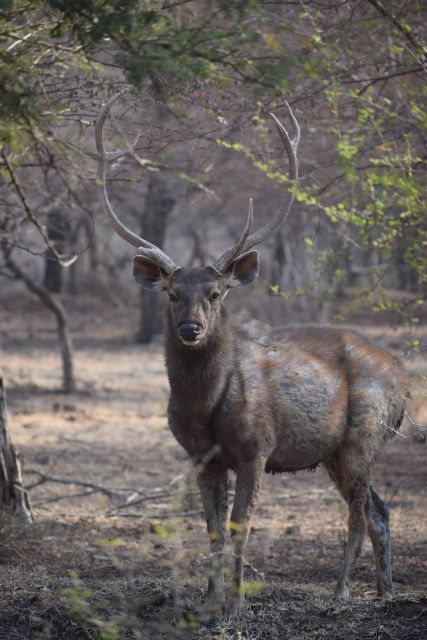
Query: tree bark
(278, 261)
(83, 236)
(158, 205)
(58, 232)
(13, 495)
(55, 306)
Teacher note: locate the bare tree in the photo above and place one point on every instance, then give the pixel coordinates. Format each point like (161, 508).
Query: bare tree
(56, 307)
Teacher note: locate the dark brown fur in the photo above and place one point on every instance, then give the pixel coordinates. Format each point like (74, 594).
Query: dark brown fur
(290, 400)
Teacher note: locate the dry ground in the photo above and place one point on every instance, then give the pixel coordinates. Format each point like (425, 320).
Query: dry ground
(94, 567)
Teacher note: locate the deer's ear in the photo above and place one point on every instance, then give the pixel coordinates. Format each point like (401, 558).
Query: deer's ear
(148, 274)
(242, 271)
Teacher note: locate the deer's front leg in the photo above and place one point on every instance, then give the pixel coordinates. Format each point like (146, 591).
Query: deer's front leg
(214, 491)
(248, 483)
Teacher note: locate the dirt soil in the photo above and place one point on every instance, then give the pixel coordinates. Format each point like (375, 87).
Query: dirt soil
(107, 558)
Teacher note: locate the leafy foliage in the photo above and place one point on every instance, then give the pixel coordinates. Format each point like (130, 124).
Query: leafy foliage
(356, 70)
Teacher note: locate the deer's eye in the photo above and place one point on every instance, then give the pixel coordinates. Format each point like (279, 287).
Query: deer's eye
(214, 296)
(173, 297)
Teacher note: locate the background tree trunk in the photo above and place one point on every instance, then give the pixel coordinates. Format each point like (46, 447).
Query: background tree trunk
(58, 232)
(278, 260)
(158, 206)
(12, 495)
(55, 306)
(83, 236)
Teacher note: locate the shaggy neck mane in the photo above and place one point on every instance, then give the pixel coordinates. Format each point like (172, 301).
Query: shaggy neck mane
(202, 363)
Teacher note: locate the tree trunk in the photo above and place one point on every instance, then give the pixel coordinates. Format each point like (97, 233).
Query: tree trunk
(83, 238)
(278, 261)
(58, 232)
(55, 306)
(407, 276)
(159, 204)
(12, 495)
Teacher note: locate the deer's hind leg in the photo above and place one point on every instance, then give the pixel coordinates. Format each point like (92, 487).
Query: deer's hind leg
(350, 474)
(379, 533)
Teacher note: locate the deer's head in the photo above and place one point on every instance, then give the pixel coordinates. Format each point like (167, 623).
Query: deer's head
(196, 295)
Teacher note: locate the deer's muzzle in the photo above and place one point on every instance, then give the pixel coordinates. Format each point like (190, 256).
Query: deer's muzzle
(189, 332)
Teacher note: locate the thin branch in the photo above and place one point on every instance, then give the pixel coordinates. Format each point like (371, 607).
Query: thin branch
(79, 483)
(51, 467)
(423, 427)
(146, 498)
(172, 514)
(43, 253)
(404, 29)
(32, 216)
(71, 496)
(384, 78)
(402, 435)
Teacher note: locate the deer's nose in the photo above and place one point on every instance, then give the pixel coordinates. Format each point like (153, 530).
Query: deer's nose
(189, 331)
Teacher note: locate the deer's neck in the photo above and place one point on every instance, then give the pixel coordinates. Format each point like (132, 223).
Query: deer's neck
(200, 373)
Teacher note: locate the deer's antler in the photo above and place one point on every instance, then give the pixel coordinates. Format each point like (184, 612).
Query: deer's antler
(247, 241)
(146, 248)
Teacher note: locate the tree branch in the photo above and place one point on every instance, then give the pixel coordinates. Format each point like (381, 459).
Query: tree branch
(32, 216)
(403, 28)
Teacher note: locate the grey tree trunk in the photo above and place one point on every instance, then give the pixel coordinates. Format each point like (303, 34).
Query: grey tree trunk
(55, 306)
(83, 236)
(58, 232)
(13, 495)
(158, 206)
(278, 261)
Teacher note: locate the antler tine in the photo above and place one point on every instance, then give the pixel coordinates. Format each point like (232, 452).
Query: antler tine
(291, 150)
(222, 263)
(146, 248)
(297, 131)
(291, 146)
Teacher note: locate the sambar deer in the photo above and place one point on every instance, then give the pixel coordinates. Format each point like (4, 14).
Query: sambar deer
(291, 400)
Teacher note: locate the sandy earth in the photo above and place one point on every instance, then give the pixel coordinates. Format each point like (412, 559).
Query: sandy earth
(93, 566)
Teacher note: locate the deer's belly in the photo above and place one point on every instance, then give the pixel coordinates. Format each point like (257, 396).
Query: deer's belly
(310, 417)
